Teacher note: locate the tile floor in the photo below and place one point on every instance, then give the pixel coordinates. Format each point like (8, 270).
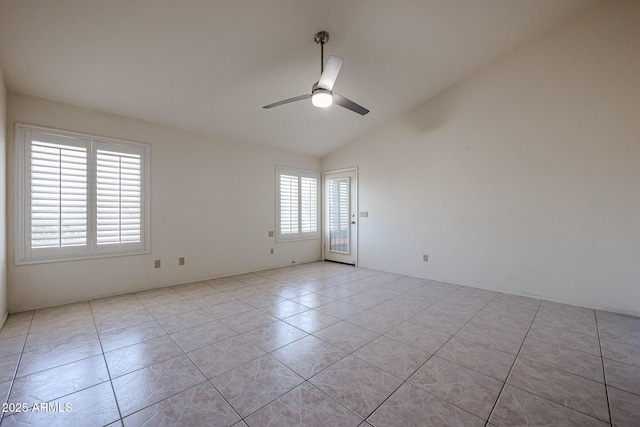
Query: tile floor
(320, 344)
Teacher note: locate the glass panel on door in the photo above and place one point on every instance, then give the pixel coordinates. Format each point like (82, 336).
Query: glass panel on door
(338, 198)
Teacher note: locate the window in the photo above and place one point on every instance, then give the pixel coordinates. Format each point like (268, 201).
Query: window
(79, 196)
(297, 206)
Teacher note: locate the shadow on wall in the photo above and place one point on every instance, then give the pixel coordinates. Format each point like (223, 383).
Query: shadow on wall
(429, 116)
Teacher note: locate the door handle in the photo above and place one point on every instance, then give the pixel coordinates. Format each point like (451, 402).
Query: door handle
(353, 222)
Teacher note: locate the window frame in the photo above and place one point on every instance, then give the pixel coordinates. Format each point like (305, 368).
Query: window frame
(300, 235)
(24, 253)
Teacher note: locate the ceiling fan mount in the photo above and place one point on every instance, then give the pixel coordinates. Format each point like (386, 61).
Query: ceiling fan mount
(321, 37)
(322, 91)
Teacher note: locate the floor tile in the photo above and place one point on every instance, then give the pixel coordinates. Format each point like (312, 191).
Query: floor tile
(461, 305)
(213, 299)
(392, 356)
(248, 320)
(422, 338)
(230, 308)
(616, 320)
(51, 384)
(515, 323)
(356, 384)
(441, 320)
(138, 356)
(371, 331)
(66, 311)
(313, 300)
(311, 321)
(491, 337)
(195, 290)
(308, 356)
(89, 407)
(569, 360)
(49, 357)
(586, 396)
(621, 352)
(463, 387)
(53, 338)
(305, 406)
(517, 407)
(118, 321)
(201, 405)
(624, 336)
(251, 386)
(340, 309)
(567, 338)
(262, 300)
(625, 407)
(284, 309)
(4, 391)
(621, 375)
(346, 336)
(202, 335)
(172, 308)
(129, 335)
(367, 299)
(158, 296)
(579, 322)
(398, 309)
(476, 295)
(76, 323)
(374, 321)
(337, 292)
(16, 324)
(154, 383)
(118, 304)
(12, 345)
(274, 335)
(291, 292)
(481, 359)
(224, 355)
(412, 406)
(186, 320)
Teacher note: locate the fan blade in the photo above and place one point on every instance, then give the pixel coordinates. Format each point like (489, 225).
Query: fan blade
(330, 73)
(349, 104)
(286, 101)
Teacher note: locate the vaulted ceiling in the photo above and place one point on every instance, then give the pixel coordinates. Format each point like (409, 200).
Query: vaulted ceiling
(208, 66)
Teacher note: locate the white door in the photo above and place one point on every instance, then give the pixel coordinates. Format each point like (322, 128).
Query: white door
(340, 216)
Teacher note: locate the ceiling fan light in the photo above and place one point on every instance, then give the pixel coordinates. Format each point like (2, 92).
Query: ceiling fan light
(322, 99)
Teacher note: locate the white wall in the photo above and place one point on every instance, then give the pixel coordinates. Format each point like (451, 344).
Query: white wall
(524, 178)
(3, 192)
(213, 202)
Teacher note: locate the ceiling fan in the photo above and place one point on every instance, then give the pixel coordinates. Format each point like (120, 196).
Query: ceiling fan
(321, 92)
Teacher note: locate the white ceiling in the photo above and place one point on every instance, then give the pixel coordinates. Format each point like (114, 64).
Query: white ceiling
(208, 66)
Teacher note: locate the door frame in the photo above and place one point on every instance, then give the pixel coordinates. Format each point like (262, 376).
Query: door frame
(354, 211)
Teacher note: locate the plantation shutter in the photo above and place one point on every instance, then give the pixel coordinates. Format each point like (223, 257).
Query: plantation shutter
(79, 196)
(309, 204)
(118, 197)
(297, 204)
(288, 204)
(58, 195)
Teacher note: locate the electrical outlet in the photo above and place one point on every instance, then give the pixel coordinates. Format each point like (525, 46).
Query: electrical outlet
(181, 260)
(271, 251)
(425, 258)
(271, 234)
(157, 263)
